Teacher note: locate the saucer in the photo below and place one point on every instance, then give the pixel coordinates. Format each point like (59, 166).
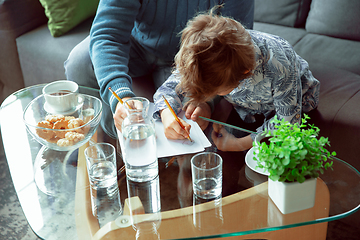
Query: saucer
(251, 163)
(49, 109)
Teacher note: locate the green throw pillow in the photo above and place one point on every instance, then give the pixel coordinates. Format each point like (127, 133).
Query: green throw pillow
(64, 15)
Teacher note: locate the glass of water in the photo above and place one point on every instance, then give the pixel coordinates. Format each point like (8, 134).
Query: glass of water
(101, 166)
(206, 169)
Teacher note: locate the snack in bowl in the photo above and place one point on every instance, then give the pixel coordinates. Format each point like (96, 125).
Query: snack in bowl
(62, 138)
(70, 139)
(44, 133)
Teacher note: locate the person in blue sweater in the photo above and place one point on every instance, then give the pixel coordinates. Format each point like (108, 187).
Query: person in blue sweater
(134, 38)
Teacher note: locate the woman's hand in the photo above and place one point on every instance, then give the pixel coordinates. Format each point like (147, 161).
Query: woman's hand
(172, 128)
(225, 141)
(194, 111)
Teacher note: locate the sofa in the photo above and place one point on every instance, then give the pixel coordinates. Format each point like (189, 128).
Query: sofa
(326, 33)
(29, 54)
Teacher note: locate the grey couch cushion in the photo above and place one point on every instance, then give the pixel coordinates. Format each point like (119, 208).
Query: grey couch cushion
(42, 56)
(292, 35)
(338, 109)
(339, 53)
(291, 13)
(337, 113)
(335, 18)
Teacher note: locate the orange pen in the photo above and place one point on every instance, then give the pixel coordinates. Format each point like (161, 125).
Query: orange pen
(118, 98)
(176, 117)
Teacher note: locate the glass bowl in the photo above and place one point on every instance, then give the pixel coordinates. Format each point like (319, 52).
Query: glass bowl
(63, 131)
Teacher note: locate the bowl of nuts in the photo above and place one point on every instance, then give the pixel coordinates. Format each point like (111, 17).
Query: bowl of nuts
(63, 131)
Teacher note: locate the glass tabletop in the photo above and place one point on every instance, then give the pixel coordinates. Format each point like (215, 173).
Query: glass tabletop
(56, 200)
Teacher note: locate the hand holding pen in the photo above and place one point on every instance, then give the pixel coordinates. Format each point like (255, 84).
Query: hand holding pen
(173, 131)
(120, 112)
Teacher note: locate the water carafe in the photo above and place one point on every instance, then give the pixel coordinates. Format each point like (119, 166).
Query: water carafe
(138, 141)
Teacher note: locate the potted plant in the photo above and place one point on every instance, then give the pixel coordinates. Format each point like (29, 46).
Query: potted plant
(293, 155)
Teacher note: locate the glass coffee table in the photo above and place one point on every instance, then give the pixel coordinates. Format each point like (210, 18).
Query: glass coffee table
(56, 200)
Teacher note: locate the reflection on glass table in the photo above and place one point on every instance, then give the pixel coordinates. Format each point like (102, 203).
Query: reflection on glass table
(164, 208)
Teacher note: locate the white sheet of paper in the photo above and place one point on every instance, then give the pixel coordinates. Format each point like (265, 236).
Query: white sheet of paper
(166, 147)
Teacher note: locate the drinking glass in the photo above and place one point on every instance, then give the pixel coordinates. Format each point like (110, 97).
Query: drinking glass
(105, 196)
(206, 169)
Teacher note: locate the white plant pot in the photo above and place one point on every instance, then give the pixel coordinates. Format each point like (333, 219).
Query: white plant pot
(292, 196)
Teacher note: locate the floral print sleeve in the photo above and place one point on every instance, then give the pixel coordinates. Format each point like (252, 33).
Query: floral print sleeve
(282, 84)
(167, 89)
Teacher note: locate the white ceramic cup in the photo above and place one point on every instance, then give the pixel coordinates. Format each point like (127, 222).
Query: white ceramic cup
(61, 96)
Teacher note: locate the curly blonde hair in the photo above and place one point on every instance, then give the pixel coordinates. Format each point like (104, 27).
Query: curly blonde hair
(215, 52)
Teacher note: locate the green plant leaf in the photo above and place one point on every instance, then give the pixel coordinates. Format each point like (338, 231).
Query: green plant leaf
(286, 160)
(300, 179)
(295, 172)
(295, 152)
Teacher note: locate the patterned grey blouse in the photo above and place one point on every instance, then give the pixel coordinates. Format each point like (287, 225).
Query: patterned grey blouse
(281, 83)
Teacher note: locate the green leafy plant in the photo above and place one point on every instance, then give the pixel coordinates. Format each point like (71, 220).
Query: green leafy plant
(293, 151)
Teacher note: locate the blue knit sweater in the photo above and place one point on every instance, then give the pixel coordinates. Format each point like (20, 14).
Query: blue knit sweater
(155, 24)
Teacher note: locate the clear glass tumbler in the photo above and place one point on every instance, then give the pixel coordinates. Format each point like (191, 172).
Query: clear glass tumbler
(206, 169)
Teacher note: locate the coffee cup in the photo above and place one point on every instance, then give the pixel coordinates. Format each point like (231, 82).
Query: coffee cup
(61, 96)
